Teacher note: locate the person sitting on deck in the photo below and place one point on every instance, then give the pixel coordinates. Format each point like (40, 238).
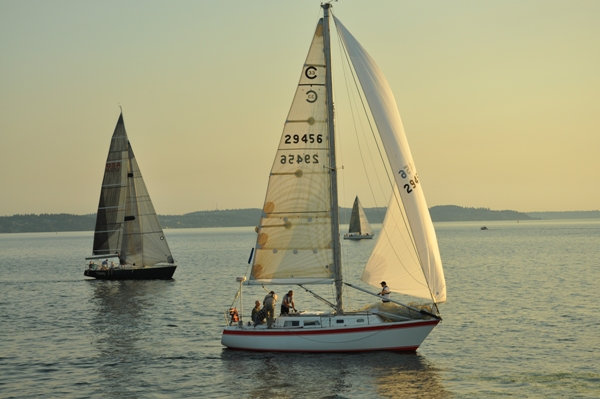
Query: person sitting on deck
(235, 317)
(258, 314)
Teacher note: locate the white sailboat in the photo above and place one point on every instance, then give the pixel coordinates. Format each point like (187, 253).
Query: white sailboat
(359, 227)
(129, 243)
(298, 239)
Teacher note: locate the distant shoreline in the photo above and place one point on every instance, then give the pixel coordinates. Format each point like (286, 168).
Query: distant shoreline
(250, 217)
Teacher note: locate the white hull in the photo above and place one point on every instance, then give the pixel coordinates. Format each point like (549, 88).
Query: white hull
(373, 335)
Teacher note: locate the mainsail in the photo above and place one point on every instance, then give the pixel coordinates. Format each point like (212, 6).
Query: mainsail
(294, 242)
(406, 255)
(126, 222)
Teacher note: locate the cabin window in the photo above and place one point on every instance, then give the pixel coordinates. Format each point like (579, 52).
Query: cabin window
(312, 323)
(360, 320)
(292, 323)
(339, 321)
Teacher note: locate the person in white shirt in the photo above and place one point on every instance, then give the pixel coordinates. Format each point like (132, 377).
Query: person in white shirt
(288, 302)
(385, 292)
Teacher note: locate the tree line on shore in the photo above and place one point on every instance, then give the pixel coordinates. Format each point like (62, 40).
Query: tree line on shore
(250, 216)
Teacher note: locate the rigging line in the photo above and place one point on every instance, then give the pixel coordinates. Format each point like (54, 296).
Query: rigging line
(237, 294)
(387, 172)
(393, 246)
(390, 179)
(339, 142)
(352, 107)
(317, 296)
(342, 176)
(374, 166)
(392, 184)
(422, 311)
(364, 107)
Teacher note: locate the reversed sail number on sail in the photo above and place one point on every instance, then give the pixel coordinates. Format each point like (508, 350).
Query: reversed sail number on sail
(299, 158)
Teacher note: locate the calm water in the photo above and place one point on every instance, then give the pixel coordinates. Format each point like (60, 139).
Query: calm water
(521, 320)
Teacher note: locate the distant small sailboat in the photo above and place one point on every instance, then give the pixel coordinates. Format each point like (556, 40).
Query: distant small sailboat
(298, 239)
(359, 227)
(128, 238)
(484, 228)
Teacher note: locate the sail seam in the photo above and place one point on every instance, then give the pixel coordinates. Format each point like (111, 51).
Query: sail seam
(298, 212)
(107, 231)
(113, 185)
(145, 232)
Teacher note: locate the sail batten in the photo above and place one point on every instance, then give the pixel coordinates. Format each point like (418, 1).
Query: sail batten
(108, 231)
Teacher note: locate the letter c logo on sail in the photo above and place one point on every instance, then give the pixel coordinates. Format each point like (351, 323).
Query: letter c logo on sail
(311, 72)
(311, 96)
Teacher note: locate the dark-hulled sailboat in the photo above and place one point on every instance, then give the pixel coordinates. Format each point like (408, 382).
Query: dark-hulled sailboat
(129, 243)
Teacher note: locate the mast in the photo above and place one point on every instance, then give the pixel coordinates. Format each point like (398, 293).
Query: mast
(335, 225)
(132, 225)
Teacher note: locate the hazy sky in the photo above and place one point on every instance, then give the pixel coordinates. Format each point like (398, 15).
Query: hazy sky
(500, 99)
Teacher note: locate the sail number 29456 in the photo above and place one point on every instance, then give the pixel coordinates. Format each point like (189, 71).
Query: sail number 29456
(412, 180)
(303, 138)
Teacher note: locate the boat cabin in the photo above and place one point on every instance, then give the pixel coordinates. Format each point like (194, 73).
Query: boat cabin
(324, 321)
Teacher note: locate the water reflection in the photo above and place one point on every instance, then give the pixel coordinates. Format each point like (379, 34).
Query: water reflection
(383, 374)
(413, 377)
(122, 333)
